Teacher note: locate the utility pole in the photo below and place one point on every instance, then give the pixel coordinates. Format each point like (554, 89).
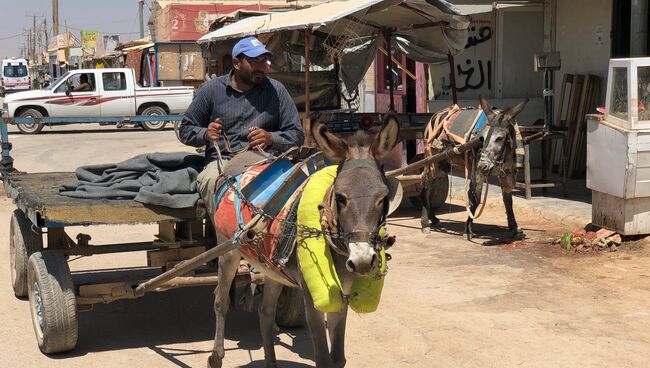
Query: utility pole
(34, 39)
(55, 17)
(141, 18)
(29, 45)
(47, 40)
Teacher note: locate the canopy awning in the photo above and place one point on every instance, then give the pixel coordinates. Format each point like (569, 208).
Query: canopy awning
(427, 30)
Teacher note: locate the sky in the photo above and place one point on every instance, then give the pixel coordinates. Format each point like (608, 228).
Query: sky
(105, 16)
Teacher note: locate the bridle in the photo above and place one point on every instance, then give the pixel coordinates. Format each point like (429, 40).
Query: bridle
(335, 236)
(499, 162)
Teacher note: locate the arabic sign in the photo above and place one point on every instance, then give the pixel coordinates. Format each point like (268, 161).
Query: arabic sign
(474, 69)
(88, 39)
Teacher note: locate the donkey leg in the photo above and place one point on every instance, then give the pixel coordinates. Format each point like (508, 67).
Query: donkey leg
(316, 323)
(424, 219)
(336, 323)
(267, 310)
(474, 197)
(228, 264)
(510, 213)
(427, 216)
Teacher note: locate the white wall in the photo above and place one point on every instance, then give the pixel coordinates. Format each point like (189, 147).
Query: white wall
(580, 23)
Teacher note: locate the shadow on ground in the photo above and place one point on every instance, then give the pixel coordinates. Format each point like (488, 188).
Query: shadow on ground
(172, 317)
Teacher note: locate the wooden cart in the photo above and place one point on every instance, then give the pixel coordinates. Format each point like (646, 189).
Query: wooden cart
(40, 248)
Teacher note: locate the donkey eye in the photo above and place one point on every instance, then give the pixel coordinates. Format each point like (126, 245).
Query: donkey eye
(341, 200)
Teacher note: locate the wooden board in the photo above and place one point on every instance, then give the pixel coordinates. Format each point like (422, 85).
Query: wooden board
(37, 194)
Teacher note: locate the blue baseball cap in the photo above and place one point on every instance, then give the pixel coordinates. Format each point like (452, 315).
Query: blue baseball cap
(251, 47)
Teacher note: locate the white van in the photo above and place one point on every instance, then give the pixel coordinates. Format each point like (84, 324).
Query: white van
(14, 76)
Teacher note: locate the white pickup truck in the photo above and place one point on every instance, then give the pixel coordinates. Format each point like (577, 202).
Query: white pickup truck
(98, 93)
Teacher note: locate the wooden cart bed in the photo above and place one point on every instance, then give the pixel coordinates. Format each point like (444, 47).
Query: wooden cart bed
(37, 195)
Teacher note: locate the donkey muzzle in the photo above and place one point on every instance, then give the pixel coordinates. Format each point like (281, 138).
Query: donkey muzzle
(362, 259)
(485, 167)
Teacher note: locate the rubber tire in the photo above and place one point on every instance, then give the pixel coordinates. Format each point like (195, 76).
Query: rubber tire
(153, 126)
(30, 128)
(290, 312)
(23, 241)
(51, 288)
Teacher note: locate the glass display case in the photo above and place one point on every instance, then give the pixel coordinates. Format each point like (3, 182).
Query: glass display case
(628, 93)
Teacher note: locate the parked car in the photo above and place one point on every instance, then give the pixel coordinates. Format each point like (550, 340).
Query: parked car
(14, 76)
(98, 93)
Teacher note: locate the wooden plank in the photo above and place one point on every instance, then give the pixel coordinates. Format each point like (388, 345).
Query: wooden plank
(555, 146)
(39, 193)
(581, 112)
(572, 114)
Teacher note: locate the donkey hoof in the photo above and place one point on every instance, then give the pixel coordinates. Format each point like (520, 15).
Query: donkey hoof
(426, 230)
(469, 236)
(518, 234)
(214, 362)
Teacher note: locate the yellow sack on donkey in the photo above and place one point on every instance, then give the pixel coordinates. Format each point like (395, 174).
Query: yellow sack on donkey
(315, 258)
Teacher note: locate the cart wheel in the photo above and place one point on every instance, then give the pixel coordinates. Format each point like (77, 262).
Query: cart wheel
(290, 312)
(52, 302)
(23, 241)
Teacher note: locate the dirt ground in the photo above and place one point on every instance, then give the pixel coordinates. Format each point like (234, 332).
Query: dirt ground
(446, 302)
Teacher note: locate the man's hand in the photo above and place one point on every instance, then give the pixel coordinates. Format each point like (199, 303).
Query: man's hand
(214, 132)
(258, 137)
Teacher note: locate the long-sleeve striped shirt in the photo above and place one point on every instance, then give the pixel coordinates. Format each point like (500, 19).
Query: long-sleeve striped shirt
(268, 106)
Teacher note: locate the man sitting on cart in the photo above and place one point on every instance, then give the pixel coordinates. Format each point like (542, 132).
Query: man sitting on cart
(242, 109)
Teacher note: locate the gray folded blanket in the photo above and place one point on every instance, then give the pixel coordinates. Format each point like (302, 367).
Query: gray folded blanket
(162, 179)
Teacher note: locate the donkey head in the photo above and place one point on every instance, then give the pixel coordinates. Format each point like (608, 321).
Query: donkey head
(360, 189)
(498, 149)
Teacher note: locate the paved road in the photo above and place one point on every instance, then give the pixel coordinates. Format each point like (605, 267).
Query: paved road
(446, 302)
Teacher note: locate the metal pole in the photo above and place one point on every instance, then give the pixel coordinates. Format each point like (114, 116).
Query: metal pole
(307, 67)
(307, 122)
(452, 77)
(388, 34)
(141, 18)
(7, 162)
(548, 100)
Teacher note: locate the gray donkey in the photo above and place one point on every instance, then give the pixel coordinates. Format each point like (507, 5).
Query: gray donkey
(362, 196)
(496, 157)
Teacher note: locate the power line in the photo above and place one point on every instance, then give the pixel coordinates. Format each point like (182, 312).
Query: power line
(113, 33)
(14, 36)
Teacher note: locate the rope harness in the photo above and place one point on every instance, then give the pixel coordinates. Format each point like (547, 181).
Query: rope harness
(336, 238)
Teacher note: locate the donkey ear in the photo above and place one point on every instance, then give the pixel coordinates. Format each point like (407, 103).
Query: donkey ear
(332, 146)
(486, 106)
(511, 113)
(387, 137)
